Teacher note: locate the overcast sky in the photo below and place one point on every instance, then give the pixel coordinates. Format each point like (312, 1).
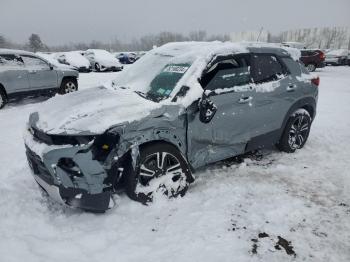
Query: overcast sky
(64, 21)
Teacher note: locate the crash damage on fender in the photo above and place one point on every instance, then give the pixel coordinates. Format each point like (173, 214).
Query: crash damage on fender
(85, 169)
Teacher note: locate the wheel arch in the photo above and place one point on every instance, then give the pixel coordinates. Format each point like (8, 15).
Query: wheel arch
(307, 103)
(69, 78)
(2, 89)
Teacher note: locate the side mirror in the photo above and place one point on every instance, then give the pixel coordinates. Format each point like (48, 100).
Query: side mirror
(51, 66)
(207, 109)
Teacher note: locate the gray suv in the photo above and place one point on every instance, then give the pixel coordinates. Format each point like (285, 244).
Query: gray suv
(23, 73)
(180, 107)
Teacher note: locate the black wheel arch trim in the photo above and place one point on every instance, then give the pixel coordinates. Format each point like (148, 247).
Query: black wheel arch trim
(273, 137)
(308, 103)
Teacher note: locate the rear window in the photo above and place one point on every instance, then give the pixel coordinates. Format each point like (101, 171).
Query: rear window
(266, 68)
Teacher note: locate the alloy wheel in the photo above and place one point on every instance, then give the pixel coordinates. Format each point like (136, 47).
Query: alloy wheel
(159, 164)
(311, 67)
(70, 87)
(298, 132)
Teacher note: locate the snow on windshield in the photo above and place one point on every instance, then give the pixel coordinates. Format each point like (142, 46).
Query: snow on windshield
(50, 58)
(102, 54)
(195, 55)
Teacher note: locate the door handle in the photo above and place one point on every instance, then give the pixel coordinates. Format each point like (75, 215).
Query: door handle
(244, 100)
(32, 72)
(291, 88)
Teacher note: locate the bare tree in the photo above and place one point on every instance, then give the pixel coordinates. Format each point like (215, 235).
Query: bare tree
(199, 35)
(35, 43)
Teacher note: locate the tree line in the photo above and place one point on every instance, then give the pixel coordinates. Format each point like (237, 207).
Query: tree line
(323, 38)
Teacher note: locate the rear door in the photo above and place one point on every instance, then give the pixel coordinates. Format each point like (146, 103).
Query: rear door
(275, 91)
(40, 75)
(13, 74)
(227, 133)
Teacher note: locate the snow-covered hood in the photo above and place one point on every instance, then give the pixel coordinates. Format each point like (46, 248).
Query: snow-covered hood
(107, 62)
(91, 111)
(77, 60)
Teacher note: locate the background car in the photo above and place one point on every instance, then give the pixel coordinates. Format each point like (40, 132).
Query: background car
(337, 57)
(126, 57)
(102, 60)
(75, 60)
(312, 59)
(23, 73)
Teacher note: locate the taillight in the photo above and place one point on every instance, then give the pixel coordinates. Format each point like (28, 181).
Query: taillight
(322, 55)
(316, 81)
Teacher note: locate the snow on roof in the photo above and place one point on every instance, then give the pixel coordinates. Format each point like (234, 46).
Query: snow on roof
(204, 49)
(14, 51)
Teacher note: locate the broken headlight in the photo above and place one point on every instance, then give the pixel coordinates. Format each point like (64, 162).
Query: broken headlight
(103, 145)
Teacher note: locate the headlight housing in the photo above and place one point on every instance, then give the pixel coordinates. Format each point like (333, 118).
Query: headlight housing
(103, 145)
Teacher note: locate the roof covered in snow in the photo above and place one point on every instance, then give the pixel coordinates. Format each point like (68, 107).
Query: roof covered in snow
(14, 51)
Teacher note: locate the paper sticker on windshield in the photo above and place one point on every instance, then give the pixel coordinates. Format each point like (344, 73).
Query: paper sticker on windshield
(175, 69)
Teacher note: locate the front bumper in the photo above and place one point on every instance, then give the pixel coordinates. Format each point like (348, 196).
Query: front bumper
(84, 69)
(86, 192)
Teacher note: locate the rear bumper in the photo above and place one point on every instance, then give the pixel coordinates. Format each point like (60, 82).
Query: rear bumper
(68, 195)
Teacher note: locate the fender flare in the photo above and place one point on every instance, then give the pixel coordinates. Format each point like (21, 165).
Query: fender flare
(308, 103)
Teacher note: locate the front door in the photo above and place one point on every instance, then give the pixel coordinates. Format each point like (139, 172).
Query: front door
(227, 84)
(40, 75)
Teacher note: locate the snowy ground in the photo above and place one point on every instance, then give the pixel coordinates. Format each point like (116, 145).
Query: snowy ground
(302, 198)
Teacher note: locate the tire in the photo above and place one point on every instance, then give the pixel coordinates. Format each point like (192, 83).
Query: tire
(97, 67)
(150, 177)
(68, 85)
(296, 131)
(3, 99)
(311, 67)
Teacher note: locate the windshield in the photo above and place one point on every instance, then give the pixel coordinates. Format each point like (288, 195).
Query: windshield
(154, 76)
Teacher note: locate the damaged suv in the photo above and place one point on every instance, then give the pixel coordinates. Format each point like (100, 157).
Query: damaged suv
(180, 107)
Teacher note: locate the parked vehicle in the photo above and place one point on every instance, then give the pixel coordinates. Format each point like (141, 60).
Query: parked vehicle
(75, 60)
(312, 59)
(126, 57)
(181, 107)
(51, 58)
(102, 60)
(337, 57)
(24, 73)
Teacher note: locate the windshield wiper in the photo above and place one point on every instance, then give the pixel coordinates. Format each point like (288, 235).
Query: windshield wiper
(150, 96)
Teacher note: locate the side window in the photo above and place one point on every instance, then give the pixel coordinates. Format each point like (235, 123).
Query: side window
(35, 63)
(10, 60)
(227, 74)
(266, 68)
